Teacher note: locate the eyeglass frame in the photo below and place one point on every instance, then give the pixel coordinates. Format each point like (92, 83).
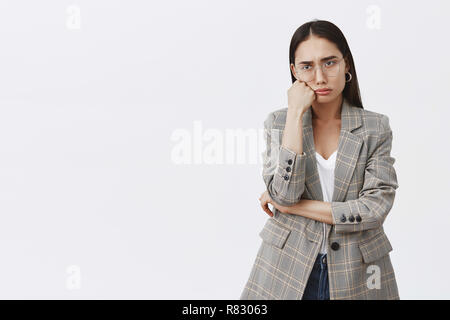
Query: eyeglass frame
(314, 68)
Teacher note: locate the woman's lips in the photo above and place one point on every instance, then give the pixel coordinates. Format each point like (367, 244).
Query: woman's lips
(323, 92)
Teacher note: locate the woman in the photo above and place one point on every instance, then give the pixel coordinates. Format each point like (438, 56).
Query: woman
(330, 178)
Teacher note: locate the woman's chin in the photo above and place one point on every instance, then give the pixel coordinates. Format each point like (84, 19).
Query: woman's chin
(328, 97)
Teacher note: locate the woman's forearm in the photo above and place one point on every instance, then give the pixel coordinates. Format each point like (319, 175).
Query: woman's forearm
(293, 131)
(312, 209)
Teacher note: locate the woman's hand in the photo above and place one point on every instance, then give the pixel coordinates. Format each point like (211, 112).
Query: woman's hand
(265, 199)
(300, 97)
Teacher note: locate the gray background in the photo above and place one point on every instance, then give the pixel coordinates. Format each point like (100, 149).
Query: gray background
(88, 180)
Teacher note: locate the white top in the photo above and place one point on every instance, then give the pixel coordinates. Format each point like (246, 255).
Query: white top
(326, 175)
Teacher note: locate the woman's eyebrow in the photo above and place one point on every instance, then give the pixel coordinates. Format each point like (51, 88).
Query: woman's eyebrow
(323, 59)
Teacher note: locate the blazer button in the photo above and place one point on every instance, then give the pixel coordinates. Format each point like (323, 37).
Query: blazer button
(343, 218)
(358, 218)
(351, 218)
(288, 169)
(335, 246)
(290, 161)
(286, 177)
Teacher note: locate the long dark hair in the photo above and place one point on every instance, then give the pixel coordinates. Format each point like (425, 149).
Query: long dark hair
(329, 31)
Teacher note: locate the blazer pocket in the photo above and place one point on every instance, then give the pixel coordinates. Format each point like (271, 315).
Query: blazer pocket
(274, 233)
(375, 248)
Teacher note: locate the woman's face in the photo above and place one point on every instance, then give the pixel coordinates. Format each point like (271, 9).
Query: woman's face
(308, 55)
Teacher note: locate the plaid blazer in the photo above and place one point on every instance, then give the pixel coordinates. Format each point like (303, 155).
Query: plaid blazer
(359, 266)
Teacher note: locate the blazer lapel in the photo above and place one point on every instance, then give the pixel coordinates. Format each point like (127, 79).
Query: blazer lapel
(347, 153)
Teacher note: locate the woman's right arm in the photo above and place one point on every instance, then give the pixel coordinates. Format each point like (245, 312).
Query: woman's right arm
(284, 165)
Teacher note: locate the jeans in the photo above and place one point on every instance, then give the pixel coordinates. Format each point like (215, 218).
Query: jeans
(317, 287)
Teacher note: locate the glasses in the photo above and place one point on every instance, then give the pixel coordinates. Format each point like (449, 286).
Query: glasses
(306, 72)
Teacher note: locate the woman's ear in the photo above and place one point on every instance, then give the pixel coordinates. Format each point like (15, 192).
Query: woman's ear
(293, 71)
(347, 65)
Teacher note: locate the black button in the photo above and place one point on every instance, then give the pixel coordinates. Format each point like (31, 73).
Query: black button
(358, 218)
(351, 218)
(290, 161)
(335, 246)
(288, 169)
(343, 218)
(286, 177)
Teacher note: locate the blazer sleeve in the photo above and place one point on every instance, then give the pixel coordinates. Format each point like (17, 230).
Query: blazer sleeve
(376, 197)
(283, 169)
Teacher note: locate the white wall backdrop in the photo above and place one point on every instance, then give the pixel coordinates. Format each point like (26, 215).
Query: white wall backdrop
(99, 97)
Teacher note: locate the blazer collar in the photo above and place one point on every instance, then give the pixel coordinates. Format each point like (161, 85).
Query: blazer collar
(347, 154)
(350, 117)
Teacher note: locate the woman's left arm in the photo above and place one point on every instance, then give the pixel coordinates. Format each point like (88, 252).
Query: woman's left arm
(375, 198)
(312, 209)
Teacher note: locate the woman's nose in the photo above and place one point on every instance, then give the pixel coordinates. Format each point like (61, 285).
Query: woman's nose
(319, 74)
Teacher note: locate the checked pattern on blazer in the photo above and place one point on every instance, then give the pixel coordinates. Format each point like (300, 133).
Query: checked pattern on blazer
(359, 265)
